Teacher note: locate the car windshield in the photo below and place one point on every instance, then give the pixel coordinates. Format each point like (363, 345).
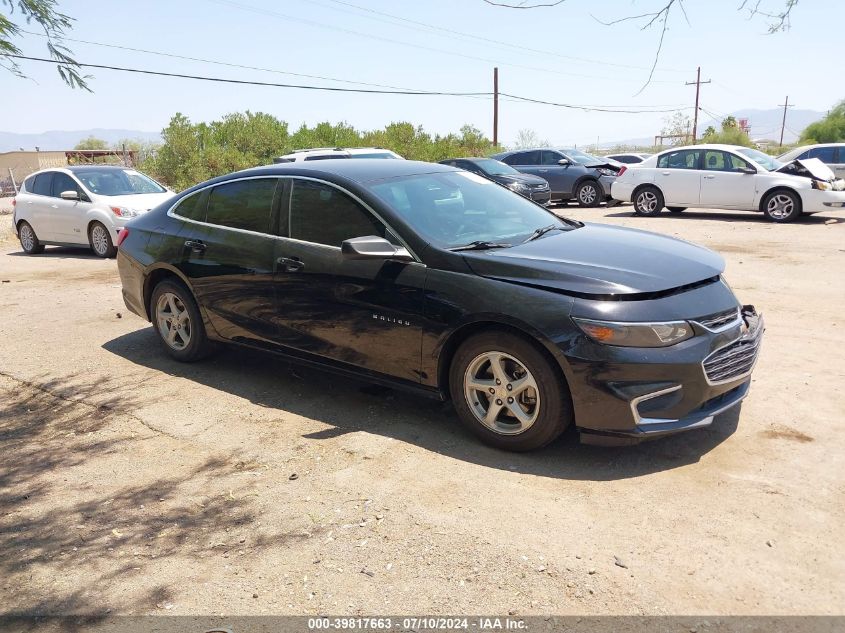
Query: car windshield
(581, 158)
(117, 182)
(495, 167)
(769, 162)
(457, 208)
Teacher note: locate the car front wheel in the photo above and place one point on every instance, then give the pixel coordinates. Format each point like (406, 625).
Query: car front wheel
(648, 201)
(782, 206)
(178, 322)
(100, 241)
(587, 194)
(29, 240)
(507, 393)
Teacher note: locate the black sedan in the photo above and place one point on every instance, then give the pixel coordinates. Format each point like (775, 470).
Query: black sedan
(532, 187)
(433, 279)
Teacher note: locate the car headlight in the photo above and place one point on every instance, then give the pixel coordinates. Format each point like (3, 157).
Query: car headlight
(821, 185)
(125, 212)
(518, 186)
(635, 334)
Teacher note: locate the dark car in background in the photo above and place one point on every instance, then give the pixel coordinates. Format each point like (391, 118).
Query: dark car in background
(571, 174)
(532, 187)
(430, 278)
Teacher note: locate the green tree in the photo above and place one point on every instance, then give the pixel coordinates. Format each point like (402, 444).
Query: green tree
(730, 134)
(729, 122)
(53, 23)
(831, 129)
(710, 131)
(91, 142)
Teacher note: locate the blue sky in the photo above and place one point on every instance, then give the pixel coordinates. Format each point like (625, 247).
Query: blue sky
(536, 58)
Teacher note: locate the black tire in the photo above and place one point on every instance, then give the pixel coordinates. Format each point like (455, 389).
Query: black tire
(28, 239)
(198, 345)
(781, 205)
(100, 241)
(555, 406)
(648, 201)
(588, 194)
(676, 209)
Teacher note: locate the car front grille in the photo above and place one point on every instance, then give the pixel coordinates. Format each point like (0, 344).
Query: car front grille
(720, 319)
(733, 361)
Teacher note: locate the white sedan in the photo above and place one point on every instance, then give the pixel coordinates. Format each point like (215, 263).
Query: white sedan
(82, 206)
(729, 177)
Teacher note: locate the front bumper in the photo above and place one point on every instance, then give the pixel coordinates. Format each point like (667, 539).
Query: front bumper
(635, 394)
(815, 201)
(541, 196)
(607, 185)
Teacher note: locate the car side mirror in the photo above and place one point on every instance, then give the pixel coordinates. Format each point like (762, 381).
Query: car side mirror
(373, 247)
(748, 170)
(69, 195)
(565, 162)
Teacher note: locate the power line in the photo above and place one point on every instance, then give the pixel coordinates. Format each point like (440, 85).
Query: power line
(338, 89)
(495, 62)
(519, 47)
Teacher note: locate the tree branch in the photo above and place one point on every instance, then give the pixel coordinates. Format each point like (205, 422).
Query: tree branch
(524, 5)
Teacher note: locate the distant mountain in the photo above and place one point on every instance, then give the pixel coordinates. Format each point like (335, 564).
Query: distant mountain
(65, 139)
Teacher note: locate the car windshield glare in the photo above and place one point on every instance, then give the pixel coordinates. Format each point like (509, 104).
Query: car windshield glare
(582, 158)
(495, 167)
(457, 208)
(764, 160)
(117, 182)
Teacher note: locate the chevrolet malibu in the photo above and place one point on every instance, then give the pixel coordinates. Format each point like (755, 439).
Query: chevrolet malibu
(437, 280)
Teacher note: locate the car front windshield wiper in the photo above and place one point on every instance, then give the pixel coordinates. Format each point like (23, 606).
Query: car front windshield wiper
(480, 245)
(542, 231)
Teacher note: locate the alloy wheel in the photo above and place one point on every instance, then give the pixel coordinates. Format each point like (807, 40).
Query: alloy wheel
(647, 202)
(501, 393)
(27, 237)
(174, 321)
(588, 194)
(780, 206)
(100, 239)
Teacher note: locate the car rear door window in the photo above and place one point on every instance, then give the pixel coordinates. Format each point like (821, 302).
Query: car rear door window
(824, 154)
(681, 159)
(193, 207)
(29, 184)
(43, 184)
(523, 158)
(714, 160)
(322, 214)
(243, 204)
(63, 182)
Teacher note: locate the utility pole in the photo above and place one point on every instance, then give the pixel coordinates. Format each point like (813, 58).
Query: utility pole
(495, 106)
(697, 83)
(783, 124)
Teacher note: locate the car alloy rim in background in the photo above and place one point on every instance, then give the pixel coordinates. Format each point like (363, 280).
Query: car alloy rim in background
(174, 322)
(647, 201)
(501, 393)
(100, 239)
(27, 238)
(588, 194)
(781, 206)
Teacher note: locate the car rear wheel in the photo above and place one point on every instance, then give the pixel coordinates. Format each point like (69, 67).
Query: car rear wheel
(507, 393)
(100, 241)
(676, 209)
(648, 201)
(178, 322)
(29, 240)
(587, 194)
(782, 206)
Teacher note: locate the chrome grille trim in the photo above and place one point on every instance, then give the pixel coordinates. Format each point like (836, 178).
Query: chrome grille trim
(733, 361)
(720, 321)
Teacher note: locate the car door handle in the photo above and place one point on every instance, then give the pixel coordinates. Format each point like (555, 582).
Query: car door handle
(195, 245)
(543, 171)
(54, 206)
(666, 173)
(709, 177)
(290, 264)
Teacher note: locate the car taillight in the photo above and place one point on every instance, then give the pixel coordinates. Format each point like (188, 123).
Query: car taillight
(14, 201)
(621, 171)
(122, 235)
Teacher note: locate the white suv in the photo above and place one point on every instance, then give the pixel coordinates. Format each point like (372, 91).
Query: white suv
(325, 153)
(82, 206)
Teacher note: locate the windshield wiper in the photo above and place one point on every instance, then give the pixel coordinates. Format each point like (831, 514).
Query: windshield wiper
(542, 231)
(480, 245)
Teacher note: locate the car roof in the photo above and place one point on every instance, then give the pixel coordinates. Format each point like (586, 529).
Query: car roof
(359, 170)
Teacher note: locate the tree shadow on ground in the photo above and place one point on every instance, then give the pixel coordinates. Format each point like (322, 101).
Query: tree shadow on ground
(347, 406)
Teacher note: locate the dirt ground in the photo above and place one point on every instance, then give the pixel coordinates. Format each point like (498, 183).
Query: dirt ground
(132, 484)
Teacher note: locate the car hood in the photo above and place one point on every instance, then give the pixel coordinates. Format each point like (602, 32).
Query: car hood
(525, 179)
(138, 201)
(809, 168)
(600, 261)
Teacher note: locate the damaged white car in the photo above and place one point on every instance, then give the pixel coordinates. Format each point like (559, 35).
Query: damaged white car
(729, 177)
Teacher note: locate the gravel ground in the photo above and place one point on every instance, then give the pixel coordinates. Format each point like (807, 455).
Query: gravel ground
(242, 485)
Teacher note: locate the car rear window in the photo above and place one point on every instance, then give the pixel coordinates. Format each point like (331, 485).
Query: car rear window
(243, 204)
